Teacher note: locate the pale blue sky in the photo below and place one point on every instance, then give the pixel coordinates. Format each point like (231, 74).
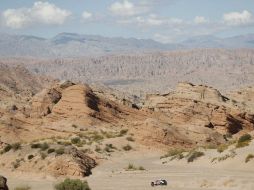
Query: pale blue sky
(162, 20)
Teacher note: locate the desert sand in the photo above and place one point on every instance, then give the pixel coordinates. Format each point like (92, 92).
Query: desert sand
(230, 174)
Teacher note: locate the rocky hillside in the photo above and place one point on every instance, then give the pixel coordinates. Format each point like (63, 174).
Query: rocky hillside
(72, 127)
(152, 72)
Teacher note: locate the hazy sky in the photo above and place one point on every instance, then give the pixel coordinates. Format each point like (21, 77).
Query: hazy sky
(162, 20)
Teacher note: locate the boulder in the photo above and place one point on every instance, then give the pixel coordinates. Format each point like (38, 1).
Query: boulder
(3, 183)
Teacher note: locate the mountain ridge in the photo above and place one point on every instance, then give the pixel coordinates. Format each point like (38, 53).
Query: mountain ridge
(78, 45)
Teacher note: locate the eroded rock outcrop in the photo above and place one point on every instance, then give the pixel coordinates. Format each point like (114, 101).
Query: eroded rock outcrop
(3, 183)
(201, 106)
(73, 163)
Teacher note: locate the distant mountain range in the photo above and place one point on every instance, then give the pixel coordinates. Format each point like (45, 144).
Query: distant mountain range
(77, 45)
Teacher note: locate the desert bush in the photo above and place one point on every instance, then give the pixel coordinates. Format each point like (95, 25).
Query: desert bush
(141, 168)
(36, 145)
(72, 184)
(243, 141)
(7, 148)
(249, 157)
(16, 164)
(244, 138)
(178, 157)
(75, 140)
(130, 139)
(44, 146)
(97, 137)
(210, 146)
(127, 147)
(51, 150)
(65, 143)
(22, 188)
(109, 148)
(123, 132)
(30, 157)
(16, 146)
(59, 151)
(194, 155)
(133, 167)
(221, 148)
(173, 152)
(98, 149)
(43, 155)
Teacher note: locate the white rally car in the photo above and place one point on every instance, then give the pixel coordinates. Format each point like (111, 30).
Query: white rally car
(159, 182)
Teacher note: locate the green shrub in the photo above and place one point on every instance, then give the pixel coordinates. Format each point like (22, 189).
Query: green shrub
(30, 157)
(59, 151)
(194, 155)
(127, 147)
(22, 188)
(51, 150)
(7, 148)
(72, 184)
(75, 140)
(249, 157)
(243, 141)
(244, 138)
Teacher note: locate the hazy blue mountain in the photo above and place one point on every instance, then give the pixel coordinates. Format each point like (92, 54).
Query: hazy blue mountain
(77, 45)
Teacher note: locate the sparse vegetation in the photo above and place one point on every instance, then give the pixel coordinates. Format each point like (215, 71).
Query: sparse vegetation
(22, 188)
(232, 154)
(249, 157)
(72, 184)
(132, 167)
(173, 152)
(194, 155)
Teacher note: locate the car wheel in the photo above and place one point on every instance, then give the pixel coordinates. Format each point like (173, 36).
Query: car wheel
(152, 184)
